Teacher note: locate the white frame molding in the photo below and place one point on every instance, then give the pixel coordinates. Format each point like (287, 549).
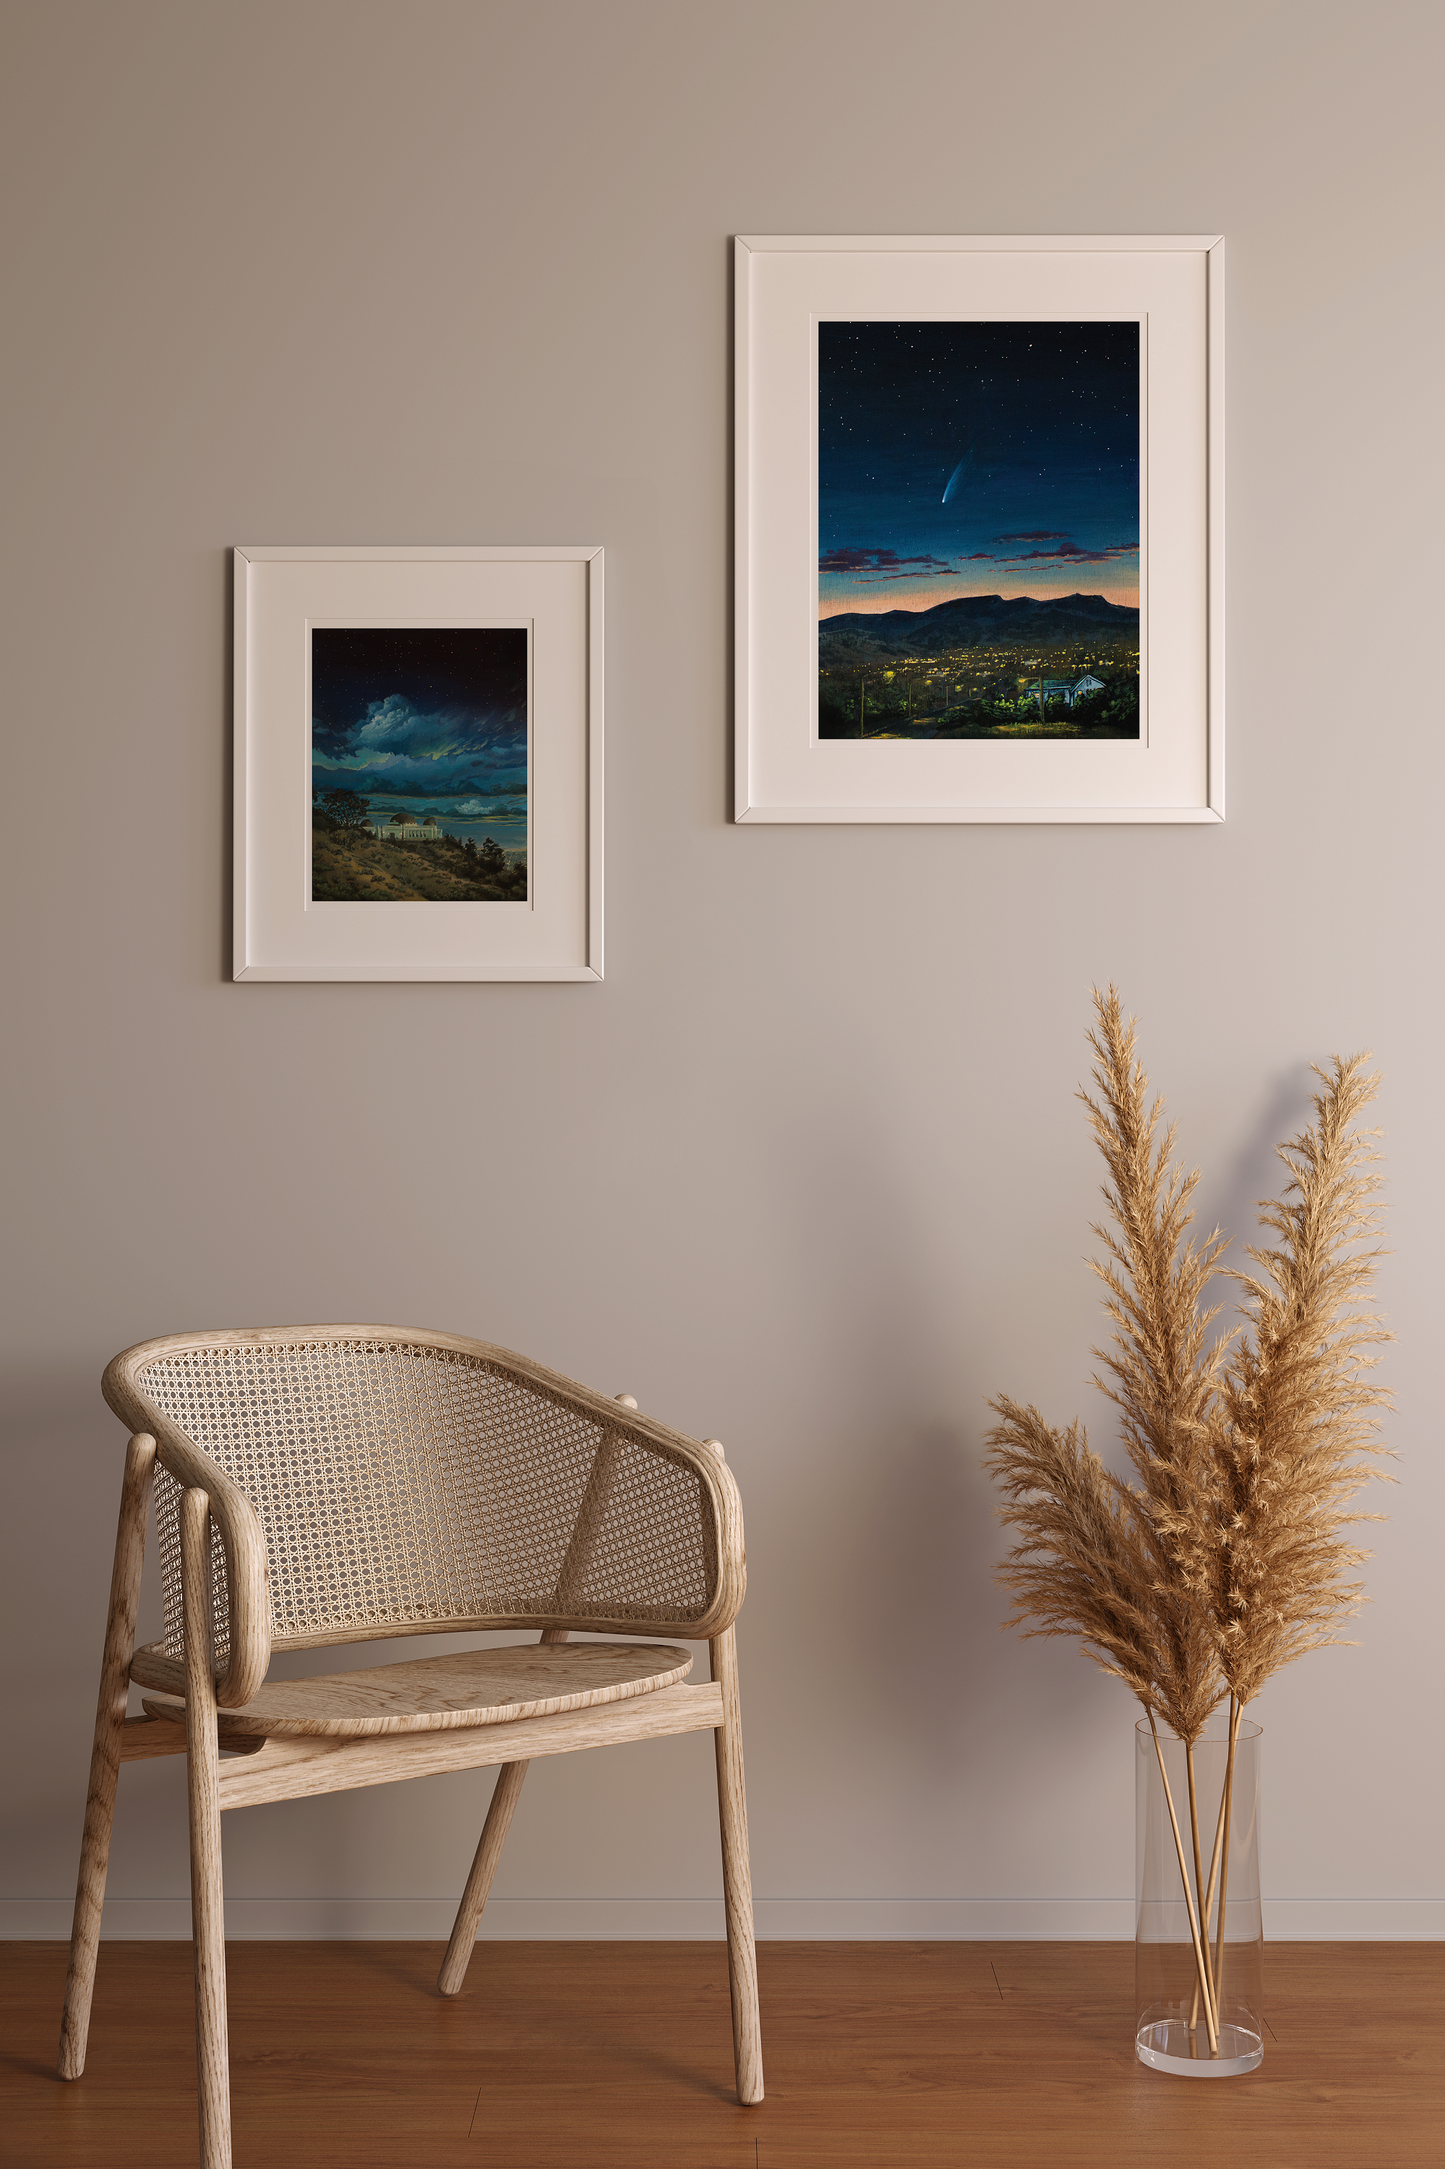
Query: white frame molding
(775, 747)
(557, 933)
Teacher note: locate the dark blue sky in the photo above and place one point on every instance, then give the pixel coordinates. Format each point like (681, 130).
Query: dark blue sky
(976, 459)
(425, 711)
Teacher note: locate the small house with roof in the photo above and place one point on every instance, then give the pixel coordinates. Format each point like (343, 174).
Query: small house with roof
(1067, 690)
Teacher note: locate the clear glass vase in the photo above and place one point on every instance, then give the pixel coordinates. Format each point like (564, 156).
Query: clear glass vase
(1198, 2000)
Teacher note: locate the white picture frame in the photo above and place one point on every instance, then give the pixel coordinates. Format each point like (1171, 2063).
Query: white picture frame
(785, 285)
(281, 593)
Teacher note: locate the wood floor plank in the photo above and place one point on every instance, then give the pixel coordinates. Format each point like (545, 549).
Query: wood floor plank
(619, 2056)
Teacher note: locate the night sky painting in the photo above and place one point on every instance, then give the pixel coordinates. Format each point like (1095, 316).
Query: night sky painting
(419, 744)
(978, 529)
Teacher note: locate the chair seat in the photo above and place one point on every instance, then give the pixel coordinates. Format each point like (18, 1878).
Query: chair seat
(474, 1687)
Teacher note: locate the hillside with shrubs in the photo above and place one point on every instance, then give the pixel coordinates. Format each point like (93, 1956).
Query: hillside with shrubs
(350, 864)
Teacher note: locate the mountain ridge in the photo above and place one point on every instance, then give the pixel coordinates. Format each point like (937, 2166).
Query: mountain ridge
(981, 620)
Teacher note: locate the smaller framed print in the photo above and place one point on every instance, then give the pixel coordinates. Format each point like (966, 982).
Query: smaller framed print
(418, 763)
(979, 528)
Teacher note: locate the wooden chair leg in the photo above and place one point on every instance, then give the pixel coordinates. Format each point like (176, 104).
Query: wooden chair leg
(737, 1874)
(130, 1540)
(208, 1919)
(505, 1796)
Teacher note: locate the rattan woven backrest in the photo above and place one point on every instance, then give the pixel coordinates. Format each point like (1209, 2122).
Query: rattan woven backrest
(405, 1483)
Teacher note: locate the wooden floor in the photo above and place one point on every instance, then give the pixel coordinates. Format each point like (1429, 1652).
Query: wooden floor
(591, 2055)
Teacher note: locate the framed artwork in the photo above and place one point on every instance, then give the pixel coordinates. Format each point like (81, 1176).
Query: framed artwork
(418, 763)
(979, 528)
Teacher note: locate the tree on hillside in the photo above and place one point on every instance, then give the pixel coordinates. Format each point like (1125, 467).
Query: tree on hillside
(348, 809)
(1113, 712)
(835, 717)
(491, 856)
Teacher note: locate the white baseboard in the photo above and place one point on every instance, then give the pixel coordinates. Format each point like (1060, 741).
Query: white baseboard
(688, 1920)
(1354, 1920)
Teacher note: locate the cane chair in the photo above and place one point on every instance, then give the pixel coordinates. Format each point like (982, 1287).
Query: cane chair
(316, 1485)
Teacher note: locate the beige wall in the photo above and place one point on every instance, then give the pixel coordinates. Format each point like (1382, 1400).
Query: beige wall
(805, 1171)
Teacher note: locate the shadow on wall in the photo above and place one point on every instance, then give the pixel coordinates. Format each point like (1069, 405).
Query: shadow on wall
(1256, 1172)
(930, 1664)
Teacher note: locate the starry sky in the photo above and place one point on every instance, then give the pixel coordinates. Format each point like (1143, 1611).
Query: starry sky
(976, 459)
(419, 711)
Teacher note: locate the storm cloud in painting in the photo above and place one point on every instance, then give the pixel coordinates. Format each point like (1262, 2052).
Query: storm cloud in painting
(419, 711)
(976, 459)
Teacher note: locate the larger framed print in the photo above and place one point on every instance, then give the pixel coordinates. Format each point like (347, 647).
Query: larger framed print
(418, 763)
(979, 528)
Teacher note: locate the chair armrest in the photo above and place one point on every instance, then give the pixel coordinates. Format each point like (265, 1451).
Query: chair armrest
(242, 1536)
(732, 1563)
